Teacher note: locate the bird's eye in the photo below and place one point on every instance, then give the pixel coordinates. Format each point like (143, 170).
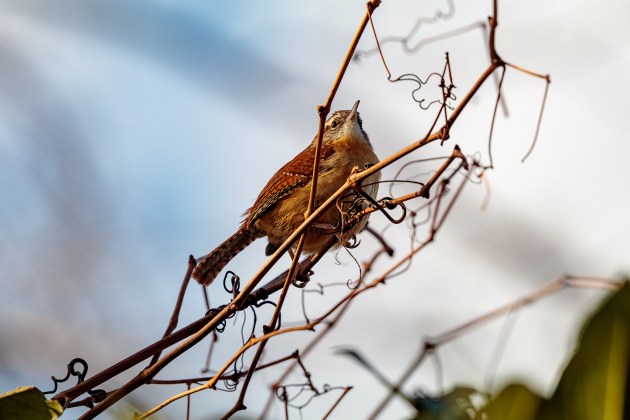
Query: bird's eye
(334, 124)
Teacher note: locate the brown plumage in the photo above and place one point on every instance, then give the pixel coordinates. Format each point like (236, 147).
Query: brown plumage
(281, 205)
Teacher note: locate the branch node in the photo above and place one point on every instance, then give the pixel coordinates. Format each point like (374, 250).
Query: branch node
(373, 4)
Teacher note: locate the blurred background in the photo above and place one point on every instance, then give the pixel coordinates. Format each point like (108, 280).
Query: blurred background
(133, 134)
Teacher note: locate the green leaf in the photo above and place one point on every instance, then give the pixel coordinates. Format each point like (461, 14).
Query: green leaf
(515, 402)
(594, 384)
(28, 402)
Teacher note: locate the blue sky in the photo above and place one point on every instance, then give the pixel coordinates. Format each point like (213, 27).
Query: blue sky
(133, 134)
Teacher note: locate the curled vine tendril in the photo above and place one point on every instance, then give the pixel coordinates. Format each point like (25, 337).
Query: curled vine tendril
(72, 371)
(386, 203)
(97, 395)
(235, 281)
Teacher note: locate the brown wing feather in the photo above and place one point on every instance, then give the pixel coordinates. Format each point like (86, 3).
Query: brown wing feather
(297, 172)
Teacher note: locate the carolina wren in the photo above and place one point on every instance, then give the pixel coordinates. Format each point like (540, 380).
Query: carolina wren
(281, 206)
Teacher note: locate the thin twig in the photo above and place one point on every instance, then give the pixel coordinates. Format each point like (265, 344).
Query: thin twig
(494, 116)
(343, 394)
(344, 304)
(538, 123)
(548, 289)
(172, 324)
(199, 329)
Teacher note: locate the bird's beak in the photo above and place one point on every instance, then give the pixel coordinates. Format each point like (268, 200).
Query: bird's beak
(353, 112)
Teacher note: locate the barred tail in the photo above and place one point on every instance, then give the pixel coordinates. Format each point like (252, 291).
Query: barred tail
(213, 263)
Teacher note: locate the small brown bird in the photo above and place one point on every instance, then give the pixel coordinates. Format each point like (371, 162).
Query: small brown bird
(280, 207)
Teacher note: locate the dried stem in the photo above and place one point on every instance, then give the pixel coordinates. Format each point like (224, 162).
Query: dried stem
(344, 303)
(195, 332)
(343, 394)
(172, 324)
(548, 289)
(494, 116)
